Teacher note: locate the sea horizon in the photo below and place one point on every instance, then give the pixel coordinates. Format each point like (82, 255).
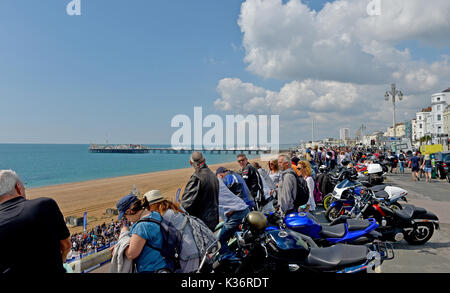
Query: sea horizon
(41, 165)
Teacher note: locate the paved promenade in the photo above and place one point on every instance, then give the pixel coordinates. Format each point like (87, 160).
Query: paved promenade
(434, 256)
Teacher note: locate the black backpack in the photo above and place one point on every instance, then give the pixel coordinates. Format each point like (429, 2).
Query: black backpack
(302, 195)
(172, 241)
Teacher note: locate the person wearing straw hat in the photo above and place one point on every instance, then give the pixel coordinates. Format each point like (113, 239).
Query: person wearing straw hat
(196, 236)
(146, 258)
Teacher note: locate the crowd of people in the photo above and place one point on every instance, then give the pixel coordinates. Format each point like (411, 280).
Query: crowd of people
(87, 242)
(225, 195)
(208, 198)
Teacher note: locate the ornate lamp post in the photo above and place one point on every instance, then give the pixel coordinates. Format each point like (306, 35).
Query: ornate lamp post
(393, 93)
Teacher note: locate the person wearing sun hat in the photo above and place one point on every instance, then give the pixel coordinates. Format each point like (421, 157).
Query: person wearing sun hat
(190, 255)
(147, 258)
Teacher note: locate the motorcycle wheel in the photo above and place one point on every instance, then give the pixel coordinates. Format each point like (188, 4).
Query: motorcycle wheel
(421, 234)
(396, 206)
(332, 214)
(327, 200)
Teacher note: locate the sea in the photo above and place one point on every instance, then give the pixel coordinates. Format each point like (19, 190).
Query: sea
(41, 165)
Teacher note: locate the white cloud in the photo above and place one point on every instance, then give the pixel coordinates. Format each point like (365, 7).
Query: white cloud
(341, 42)
(337, 62)
(331, 104)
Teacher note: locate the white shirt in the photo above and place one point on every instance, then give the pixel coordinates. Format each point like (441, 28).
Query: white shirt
(311, 202)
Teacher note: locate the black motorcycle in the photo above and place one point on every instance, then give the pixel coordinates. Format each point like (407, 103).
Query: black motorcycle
(261, 251)
(414, 224)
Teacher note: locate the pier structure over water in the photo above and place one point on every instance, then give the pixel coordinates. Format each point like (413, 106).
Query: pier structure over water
(139, 149)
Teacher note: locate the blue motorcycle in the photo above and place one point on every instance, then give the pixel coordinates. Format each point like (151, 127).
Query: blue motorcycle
(261, 249)
(349, 231)
(345, 204)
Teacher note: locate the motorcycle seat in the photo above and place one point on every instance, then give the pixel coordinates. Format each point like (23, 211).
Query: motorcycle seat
(382, 194)
(419, 211)
(406, 213)
(335, 231)
(354, 225)
(337, 256)
(377, 188)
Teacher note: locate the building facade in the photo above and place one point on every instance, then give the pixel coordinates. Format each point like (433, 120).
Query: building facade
(344, 134)
(414, 130)
(423, 120)
(439, 102)
(446, 120)
(400, 130)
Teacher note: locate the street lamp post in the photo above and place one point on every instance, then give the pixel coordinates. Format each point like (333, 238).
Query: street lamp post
(393, 93)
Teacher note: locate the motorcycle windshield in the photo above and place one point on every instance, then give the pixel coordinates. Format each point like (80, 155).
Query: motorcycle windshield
(346, 183)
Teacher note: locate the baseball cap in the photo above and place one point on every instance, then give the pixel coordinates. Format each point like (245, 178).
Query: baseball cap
(221, 170)
(125, 203)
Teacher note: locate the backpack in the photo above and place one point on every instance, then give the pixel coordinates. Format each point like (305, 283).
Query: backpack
(203, 239)
(302, 195)
(317, 194)
(181, 250)
(172, 241)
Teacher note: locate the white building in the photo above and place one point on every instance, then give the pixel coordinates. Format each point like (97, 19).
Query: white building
(400, 130)
(389, 132)
(439, 102)
(414, 130)
(344, 134)
(446, 118)
(423, 121)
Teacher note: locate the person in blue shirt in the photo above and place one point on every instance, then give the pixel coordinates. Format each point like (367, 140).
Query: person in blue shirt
(143, 235)
(237, 185)
(415, 167)
(234, 210)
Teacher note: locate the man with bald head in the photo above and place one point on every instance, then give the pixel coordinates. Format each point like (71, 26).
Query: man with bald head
(201, 194)
(32, 232)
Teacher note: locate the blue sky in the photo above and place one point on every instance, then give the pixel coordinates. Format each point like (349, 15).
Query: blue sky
(123, 69)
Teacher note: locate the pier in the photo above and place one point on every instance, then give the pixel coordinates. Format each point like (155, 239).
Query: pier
(139, 149)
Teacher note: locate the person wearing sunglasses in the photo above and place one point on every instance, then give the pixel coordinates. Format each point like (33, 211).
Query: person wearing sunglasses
(253, 180)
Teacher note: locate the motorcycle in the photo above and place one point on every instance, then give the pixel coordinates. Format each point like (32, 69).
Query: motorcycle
(349, 231)
(345, 174)
(279, 250)
(344, 195)
(414, 224)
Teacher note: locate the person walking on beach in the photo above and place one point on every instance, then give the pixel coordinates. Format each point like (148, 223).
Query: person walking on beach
(201, 194)
(22, 221)
(253, 180)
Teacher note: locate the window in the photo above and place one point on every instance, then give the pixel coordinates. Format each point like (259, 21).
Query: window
(438, 117)
(438, 99)
(420, 125)
(438, 107)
